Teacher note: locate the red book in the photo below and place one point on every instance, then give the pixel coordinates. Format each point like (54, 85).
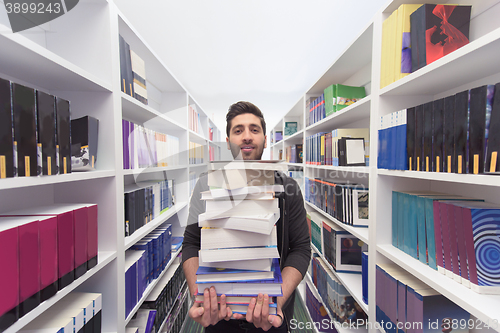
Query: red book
(445, 234)
(93, 240)
(29, 264)
(453, 243)
(80, 222)
(9, 279)
(462, 251)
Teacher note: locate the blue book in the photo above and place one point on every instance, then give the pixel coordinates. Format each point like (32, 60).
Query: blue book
(130, 286)
(411, 229)
(421, 234)
(405, 228)
(402, 160)
(401, 219)
(394, 223)
(392, 138)
(213, 274)
(176, 243)
(364, 276)
(150, 322)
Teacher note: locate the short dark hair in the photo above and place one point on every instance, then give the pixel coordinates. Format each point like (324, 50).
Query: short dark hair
(241, 108)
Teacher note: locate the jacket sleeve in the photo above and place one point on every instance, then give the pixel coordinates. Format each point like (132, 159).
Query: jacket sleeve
(192, 234)
(299, 254)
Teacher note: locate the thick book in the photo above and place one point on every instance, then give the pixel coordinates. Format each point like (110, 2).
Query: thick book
(231, 179)
(428, 161)
(214, 238)
(348, 95)
(262, 224)
(492, 162)
(270, 287)
(84, 143)
(25, 140)
(419, 137)
(438, 135)
(218, 208)
(125, 67)
(437, 30)
(240, 253)
(6, 131)
(410, 138)
(480, 104)
(212, 274)
(50, 322)
(91, 303)
(130, 284)
(9, 279)
(46, 121)
(139, 77)
(403, 40)
(63, 120)
(252, 265)
(269, 195)
(449, 162)
(198, 298)
(330, 94)
(461, 128)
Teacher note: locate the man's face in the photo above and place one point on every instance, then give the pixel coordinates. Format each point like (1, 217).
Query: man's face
(246, 137)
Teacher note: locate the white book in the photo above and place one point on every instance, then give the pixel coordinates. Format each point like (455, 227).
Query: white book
(209, 274)
(223, 193)
(275, 165)
(214, 238)
(255, 264)
(243, 253)
(234, 206)
(250, 196)
(262, 224)
(238, 178)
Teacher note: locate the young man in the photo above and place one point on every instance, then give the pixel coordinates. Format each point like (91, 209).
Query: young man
(246, 139)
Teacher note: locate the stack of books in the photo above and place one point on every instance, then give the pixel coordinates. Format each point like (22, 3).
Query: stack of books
(239, 223)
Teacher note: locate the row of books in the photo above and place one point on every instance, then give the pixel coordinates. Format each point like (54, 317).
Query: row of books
(392, 141)
(416, 35)
(164, 295)
(340, 147)
(450, 233)
(239, 254)
(339, 302)
(143, 147)
(405, 303)
(144, 263)
(174, 323)
(458, 133)
(294, 153)
(194, 119)
(44, 249)
(291, 128)
(196, 153)
(35, 134)
(146, 201)
(319, 316)
(132, 73)
(76, 312)
(348, 203)
(340, 249)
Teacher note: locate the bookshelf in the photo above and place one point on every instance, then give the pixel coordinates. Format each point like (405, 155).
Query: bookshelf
(359, 65)
(76, 57)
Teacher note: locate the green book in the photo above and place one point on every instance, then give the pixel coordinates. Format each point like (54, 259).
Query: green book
(290, 127)
(330, 94)
(347, 95)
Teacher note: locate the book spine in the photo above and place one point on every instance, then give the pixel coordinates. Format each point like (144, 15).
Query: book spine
(438, 135)
(461, 131)
(6, 130)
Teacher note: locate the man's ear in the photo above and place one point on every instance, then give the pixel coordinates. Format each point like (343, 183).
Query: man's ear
(228, 145)
(265, 141)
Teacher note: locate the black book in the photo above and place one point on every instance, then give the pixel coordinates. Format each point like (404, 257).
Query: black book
(129, 213)
(493, 139)
(437, 135)
(46, 122)
(449, 134)
(24, 112)
(128, 71)
(298, 151)
(480, 102)
(419, 138)
(351, 151)
(461, 129)
(6, 140)
(428, 164)
(124, 84)
(417, 39)
(139, 209)
(63, 116)
(84, 140)
(410, 138)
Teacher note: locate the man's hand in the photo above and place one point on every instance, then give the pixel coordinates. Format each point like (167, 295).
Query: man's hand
(210, 313)
(258, 314)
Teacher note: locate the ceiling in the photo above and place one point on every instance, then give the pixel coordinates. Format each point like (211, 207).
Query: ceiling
(268, 52)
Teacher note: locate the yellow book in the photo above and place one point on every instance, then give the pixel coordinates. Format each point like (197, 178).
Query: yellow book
(403, 47)
(384, 55)
(392, 47)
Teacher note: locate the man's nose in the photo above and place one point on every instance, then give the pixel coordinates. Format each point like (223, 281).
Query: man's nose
(247, 136)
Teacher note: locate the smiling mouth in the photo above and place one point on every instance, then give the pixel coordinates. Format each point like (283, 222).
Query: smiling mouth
(247, 148)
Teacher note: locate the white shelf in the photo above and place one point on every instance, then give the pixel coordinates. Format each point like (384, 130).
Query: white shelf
(198, 165)
(353, 113)
(360, 232)
(295, 137)
(104, 258)
(151, 286)
(295, 164)
(127, 172)
(147, 228)
(484, 307)
(18, 55)
(351, 281)
(19, 182)
(487, 180)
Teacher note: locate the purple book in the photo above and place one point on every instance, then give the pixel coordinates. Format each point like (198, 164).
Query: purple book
(131, 140)
(125, 135)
